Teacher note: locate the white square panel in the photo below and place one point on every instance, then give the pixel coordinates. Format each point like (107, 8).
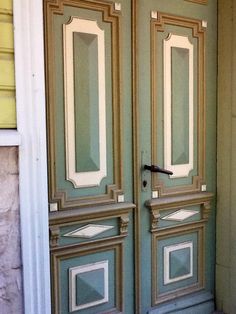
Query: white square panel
(86, 269)
(168, 250)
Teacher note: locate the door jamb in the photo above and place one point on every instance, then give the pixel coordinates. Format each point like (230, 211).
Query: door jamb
(30, 103)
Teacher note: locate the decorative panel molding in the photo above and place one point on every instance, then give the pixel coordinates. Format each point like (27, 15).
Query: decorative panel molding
(74, 266)
(161, 205)
(180, 251)
(178, 135)
(80, 226)
(182, 106)
(179, 256)
(181, 215)
(89, 277)
(85, 160)
(89, 231)
(90, 31)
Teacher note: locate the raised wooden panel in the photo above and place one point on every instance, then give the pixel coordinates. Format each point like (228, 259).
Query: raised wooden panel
(88, 285)
(177, 261)
(83, 103)
(75, 266)
(178, 107)
(178, 69)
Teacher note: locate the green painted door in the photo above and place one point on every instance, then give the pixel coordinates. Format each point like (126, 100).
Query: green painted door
(131, 97)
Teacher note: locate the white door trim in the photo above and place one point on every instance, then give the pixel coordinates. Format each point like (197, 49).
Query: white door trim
(30, 100)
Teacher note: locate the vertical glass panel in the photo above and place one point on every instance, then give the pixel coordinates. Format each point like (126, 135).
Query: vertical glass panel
(86, 102)
(180, 105)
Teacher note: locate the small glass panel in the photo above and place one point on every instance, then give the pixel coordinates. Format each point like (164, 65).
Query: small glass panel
(180, 105)
(86, 102)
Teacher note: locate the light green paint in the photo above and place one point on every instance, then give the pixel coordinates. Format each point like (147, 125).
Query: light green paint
(190, 237)
(169, 223)
(160, 100)
(90, 286)
(83, 127)
(177, 7)
(125, 66)
(180, 105)
(66, 264)
(195, 11)
(180, 263)
(73, 240)
(86, 102)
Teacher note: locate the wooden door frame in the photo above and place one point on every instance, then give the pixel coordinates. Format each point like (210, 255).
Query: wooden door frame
(30, 102)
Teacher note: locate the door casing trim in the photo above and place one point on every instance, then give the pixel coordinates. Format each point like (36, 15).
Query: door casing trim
(30, 100)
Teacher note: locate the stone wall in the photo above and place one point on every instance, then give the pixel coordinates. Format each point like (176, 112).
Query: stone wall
(11, 299)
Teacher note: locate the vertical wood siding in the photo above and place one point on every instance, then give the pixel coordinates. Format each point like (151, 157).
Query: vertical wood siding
(7, 79)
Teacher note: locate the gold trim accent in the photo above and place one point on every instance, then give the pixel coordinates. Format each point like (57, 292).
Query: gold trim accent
(199, 227)
(198, 32)
(55, 7)
(59, 254)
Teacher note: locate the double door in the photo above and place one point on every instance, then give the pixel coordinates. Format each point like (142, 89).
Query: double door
(131, 101)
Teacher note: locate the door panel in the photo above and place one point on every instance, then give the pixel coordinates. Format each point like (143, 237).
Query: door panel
(84, 170)
(89, 155)
(174, 96)
(129, 84)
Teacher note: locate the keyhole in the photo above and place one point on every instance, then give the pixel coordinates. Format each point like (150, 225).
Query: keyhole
(144, 183)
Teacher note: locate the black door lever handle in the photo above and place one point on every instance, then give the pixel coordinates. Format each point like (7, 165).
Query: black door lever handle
(154, 168)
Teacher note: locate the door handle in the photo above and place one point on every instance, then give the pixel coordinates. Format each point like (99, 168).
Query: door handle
(154, 168)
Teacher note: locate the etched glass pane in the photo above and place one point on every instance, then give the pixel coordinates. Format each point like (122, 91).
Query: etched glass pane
(86, 102)
(180, 105)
